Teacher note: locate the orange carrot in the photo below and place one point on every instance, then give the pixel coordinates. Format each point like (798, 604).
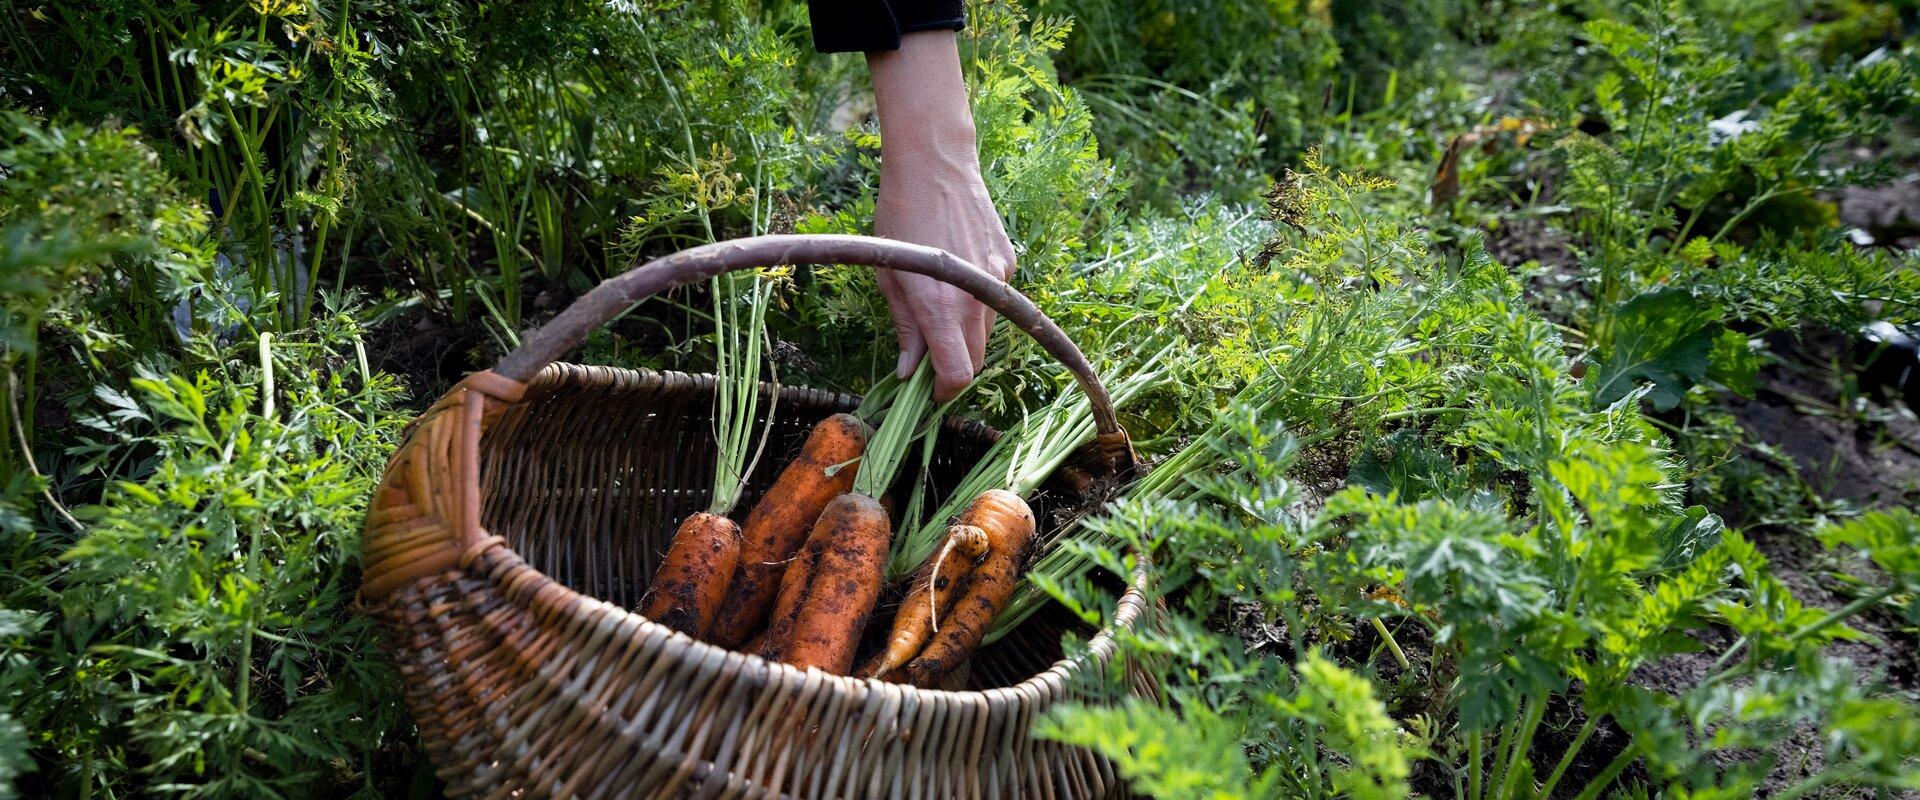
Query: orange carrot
(930, 595)
(1009, 526)
(692, 579)
(780, 520)
(834, 585)
(795, 583)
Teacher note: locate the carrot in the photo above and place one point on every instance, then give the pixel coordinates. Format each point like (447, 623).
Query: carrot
(829, 589)
(930, 594)
(824, 468)
(834, 586)
(692, 579)
(1009, 527)
(794, 585)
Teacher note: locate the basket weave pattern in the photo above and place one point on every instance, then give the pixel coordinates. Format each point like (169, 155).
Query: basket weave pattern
(538, 682)
(524, 511)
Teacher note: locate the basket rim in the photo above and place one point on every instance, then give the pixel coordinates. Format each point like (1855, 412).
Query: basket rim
(1100, 647)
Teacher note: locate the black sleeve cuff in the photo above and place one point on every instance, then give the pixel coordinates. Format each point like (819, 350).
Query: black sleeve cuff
(848, 26)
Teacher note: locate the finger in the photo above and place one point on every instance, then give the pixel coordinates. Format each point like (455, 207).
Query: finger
(952, 363)
(1001, 266)
(976, 328)
(913, 345)
(986, 335)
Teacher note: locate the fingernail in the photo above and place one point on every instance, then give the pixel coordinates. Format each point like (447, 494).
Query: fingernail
(905, 368)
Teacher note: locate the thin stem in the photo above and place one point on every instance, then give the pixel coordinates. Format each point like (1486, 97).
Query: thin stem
(1848, 610)
(266, 370)
(1566, 759)
(1612, 771)
(1810, 783)
(1838, 614)
(1421, 412)
(1501, 748)
(1474, 759)
(737, 350)
(1399, 656)
(26, 450)
(1536, 711)
(888, 447)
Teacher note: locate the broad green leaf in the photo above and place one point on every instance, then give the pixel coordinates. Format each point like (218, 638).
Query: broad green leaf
(1685, 537)
(1402, 465)
(1663, 337)
(1734, 362)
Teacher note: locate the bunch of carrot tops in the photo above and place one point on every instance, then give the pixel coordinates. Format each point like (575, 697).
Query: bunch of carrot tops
(799, 580)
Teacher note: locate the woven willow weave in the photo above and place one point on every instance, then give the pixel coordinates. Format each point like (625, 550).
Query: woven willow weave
(522, 515)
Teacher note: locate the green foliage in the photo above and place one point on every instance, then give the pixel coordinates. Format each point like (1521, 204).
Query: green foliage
(80, 209)
(1533, 534)
(195, 638)
(1408, 505)
(1891, 538)
(1163, 753)
(1212, 94)
(1663, 337)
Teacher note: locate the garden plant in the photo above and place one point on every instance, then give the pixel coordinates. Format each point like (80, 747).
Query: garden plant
(1524, 392)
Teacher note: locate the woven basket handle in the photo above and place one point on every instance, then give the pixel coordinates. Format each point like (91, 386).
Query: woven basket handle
(620, 292)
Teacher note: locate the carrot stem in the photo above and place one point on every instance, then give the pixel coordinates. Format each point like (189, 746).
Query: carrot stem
(736, 400)
(898, 429)
(1020, 460)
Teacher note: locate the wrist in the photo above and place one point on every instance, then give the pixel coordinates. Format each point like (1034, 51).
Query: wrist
(921, 99)
(951, 141)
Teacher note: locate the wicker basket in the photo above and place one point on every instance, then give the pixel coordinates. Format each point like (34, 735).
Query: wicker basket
(522, 515)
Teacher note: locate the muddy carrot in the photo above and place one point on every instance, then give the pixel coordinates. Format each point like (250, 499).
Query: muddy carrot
(795, 583)
(692, 579)
(824, 468)
(1009, 527)
(849, 546)
(930, 595)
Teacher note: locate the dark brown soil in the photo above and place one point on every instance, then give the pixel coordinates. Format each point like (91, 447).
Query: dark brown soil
(427, 352)
(1890, 213)
(1846, 448)
(1554, 274)
(1856, 452)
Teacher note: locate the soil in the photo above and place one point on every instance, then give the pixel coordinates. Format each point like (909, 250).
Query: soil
(1850, 452)
(1861, 453)
(1856, 450)
(1890, 214)
(1545, 259)
(427, 352)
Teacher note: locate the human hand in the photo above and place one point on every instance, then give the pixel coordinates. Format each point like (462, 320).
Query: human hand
(931, 193)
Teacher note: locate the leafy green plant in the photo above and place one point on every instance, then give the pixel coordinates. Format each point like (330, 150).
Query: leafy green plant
(1419, 518)
(1531, 540)
(195, 637)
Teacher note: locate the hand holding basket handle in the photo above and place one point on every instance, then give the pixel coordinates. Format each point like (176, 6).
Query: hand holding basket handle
(433, 516)
(521, 685)
(697, 264)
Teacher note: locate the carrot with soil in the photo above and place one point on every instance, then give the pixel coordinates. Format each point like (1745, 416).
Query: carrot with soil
(692, 583)
(830, 589)
(1007, 524)
(692, 579)
(848, 551)
(824, 469)
(1016, 465)
(930, 594)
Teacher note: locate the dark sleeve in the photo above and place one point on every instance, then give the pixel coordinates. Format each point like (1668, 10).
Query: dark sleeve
(847, 26)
